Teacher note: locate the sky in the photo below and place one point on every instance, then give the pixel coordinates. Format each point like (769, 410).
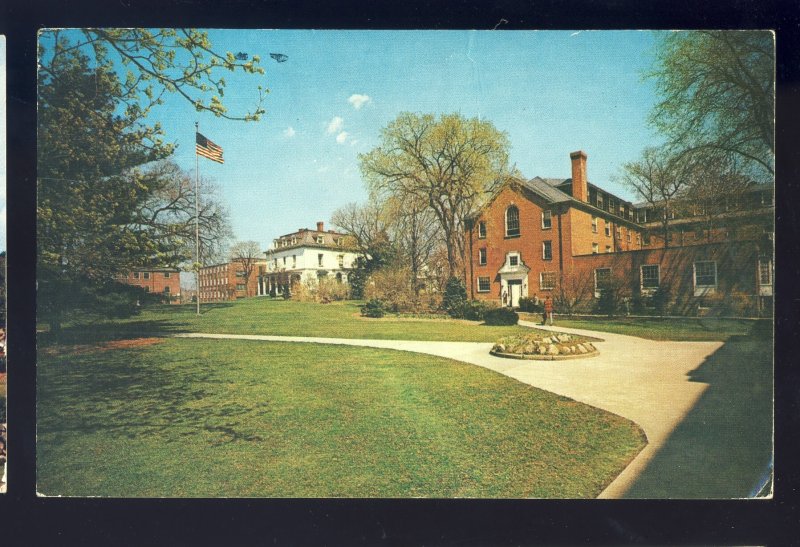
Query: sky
(552, 92)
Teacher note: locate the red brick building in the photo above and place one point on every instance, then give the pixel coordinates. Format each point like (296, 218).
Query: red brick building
(163, 281)
(221, 282)
(570, 239)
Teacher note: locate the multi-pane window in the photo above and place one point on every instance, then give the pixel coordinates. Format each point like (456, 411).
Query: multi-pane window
(594, 225)
(547, 281)
(147, 275)
(482, 257)
(547, 219)
(599, 201)
(619, 232)
(341, 261)
(320, 240)
(512, 221)
(651, 276)
(481, 230)
(705, 274)
(483, 284)
(765, 272)
(547, 250)
(602, 280)
(513, 260)
(240, 286)
(166, 275)
(608, 228)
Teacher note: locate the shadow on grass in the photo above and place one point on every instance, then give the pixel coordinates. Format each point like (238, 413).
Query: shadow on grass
(93, 330)
(723, 446)
(134, 393)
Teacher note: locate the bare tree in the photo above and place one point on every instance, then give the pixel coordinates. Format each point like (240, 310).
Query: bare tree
(169, 215)
(246, 253)
(415, 233)
(367, 224)
(659, 177)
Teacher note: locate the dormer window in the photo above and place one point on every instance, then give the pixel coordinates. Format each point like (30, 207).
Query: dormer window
(320, 240)
(294, 240)
(512, 221)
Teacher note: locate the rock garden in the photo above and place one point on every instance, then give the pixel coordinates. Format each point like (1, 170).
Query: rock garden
(544, 346)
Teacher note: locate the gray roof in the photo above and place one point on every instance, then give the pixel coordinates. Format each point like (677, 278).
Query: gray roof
(546, 189)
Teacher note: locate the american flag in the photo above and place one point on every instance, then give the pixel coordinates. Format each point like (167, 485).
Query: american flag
(208, 149)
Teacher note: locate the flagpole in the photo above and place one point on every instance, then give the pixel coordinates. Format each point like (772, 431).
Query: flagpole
(197, 217)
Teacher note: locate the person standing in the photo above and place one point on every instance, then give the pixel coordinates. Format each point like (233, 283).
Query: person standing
(548, 311)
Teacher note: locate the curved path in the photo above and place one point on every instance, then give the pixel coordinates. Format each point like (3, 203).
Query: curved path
(642, 380)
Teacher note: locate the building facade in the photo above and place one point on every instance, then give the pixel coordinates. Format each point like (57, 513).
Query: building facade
(572, 240)
(306, 256)
(161, 281)
(227, 281)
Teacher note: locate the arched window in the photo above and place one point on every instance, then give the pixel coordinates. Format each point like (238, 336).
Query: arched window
(512, 221)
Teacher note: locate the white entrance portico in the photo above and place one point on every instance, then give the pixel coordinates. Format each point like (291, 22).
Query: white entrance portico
(513, 280)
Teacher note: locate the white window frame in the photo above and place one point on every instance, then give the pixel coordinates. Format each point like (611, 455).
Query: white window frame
(488, 280)
(340, 258)
(595, 248)
(166, 275)
(320, 240)
(146, 275)
(596, 289)
(607, 227)
(542, 285)
(644, 289)
(136, 275)
(700, 290)
(513, 255)
(594, 225)
(608, 248)
(547, 215)
(545, 245)
(482, 229)
(519, 229)
(482, 256)
(628, 234)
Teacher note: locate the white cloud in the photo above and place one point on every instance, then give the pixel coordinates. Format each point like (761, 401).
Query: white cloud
(289, 132)
(324, 169)
(341, 137)
(358, 100)
(335, 125)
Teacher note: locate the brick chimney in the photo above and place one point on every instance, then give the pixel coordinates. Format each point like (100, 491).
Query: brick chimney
(320, 226)
(580, 189)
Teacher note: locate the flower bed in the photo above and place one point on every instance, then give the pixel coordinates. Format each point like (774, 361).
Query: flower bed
(544, 347)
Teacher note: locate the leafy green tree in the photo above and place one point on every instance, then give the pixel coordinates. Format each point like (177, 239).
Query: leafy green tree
(451, 164)
(103, 206)
(717, 93)
(455, 297)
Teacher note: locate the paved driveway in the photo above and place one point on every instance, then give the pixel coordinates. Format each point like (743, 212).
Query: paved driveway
(643, 380)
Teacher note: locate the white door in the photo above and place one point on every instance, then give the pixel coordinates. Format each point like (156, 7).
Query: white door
(514, 292)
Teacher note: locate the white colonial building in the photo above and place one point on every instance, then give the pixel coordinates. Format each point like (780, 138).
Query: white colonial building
(305, 256)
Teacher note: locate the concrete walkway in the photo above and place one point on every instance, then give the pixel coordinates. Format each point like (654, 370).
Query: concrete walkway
(642, 380)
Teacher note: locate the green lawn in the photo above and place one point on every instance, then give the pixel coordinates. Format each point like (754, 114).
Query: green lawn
(280, 317)
(654, 328)
(246, 418)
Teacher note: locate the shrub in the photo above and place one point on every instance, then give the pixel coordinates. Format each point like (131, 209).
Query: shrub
(475, 310)
(392, 286)
(455, 296)
(501, 316)
(373, 308)
(530, 305)
(329, 289)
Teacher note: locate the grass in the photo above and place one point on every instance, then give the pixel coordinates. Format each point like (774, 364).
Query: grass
(196, 418)
(279, 317)
(654, 328)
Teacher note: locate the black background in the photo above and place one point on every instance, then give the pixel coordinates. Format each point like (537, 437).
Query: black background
(29, 520)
